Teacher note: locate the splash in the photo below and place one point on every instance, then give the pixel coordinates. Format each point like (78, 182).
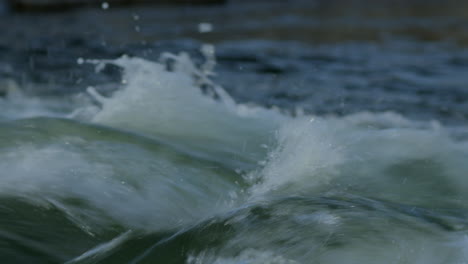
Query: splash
(170, 103)
(383, 155)
(377, 155)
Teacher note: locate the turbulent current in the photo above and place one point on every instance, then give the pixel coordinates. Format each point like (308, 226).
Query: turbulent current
(170, 169)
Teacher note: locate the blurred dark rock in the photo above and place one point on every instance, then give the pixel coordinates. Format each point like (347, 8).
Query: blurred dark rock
(4, 7)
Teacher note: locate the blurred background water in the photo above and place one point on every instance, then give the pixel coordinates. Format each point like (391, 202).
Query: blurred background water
(323, 56)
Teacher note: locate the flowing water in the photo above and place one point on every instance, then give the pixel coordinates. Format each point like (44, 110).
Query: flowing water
(288, 152)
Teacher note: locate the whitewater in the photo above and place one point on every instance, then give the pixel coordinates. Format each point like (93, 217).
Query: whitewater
(169, 168)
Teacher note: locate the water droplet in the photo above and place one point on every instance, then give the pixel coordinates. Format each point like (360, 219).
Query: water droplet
(105, 5)
(205, 27)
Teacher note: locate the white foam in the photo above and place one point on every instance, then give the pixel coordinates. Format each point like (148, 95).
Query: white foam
(307, 154)
(246, 256)
(303, 233)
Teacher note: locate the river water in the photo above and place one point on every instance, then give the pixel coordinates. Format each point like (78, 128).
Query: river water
(288, 133)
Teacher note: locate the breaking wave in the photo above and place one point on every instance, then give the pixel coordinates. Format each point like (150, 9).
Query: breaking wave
(170, 169)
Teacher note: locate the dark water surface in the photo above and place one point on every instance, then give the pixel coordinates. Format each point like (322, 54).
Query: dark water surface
(327, 132)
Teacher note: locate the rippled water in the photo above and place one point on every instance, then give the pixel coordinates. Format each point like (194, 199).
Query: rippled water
(301, 150)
